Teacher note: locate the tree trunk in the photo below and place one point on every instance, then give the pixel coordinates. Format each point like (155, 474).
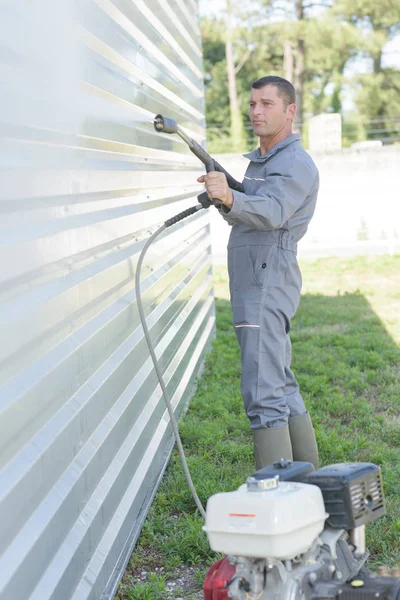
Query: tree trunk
(288, 61)
(237, 132)
(299, 71)
(378, 63)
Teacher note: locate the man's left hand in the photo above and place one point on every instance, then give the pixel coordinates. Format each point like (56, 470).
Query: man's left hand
(217, 187)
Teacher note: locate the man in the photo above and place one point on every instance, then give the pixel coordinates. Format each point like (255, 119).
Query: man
(268, 219)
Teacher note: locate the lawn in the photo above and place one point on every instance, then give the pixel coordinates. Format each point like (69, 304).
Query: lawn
(346, 357)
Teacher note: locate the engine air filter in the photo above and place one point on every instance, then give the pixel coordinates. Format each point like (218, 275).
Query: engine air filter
(352, 493)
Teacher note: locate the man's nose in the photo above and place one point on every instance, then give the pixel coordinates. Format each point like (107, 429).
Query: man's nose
(257, 109)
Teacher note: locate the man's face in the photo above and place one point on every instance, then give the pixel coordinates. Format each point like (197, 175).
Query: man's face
(268, 113)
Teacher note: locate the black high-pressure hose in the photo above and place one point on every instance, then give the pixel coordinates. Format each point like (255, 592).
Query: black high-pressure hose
(179, 217)
(166, 125)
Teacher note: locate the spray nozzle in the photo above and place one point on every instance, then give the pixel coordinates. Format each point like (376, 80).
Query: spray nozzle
(165, 124)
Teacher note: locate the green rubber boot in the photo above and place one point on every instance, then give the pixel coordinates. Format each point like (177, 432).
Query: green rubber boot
(303, 440)
(271, 445)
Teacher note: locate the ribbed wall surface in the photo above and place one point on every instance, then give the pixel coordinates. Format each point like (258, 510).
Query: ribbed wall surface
(84, 433)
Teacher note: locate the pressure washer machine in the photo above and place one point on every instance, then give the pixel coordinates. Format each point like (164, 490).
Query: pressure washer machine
(292, 533)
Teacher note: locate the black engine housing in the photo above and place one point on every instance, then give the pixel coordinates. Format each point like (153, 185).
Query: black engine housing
(352, 492)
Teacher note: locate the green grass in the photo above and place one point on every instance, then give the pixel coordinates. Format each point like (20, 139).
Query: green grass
(347, 361)
(153, 590)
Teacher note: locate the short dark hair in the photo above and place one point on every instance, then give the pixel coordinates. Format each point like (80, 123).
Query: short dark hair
(285, 88)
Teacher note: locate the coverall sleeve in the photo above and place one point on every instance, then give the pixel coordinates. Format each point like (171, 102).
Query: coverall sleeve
(277, 199)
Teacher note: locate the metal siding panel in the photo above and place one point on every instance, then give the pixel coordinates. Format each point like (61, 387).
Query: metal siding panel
(84, 432)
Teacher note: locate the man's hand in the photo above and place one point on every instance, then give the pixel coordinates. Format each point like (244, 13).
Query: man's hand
(217, 187)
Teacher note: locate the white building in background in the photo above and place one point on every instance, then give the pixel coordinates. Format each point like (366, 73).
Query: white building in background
(325, 133)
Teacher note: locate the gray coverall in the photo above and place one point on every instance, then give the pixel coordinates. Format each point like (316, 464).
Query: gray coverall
(267, 221)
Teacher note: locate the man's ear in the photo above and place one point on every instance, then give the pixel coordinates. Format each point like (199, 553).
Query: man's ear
(291, 110)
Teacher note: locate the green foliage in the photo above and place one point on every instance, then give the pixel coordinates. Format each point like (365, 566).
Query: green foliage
(352, 129)
(342, 33)
(348, 367)
(219, 145)
(379, 96)
(330, 45)
(154, 590)
(381, 15)
(213, 36)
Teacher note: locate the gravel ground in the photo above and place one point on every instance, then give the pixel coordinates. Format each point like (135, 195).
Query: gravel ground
(182, 584)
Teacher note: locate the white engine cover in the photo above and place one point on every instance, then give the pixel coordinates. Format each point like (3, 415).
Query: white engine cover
(276, 523)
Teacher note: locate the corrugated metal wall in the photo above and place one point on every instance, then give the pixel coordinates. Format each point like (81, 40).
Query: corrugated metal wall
(84, 433)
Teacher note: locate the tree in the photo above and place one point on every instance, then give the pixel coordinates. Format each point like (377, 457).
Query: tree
(237, 131)
(377, 92)
(215, 74)
(296, 17)
(379, 20)
(221, 88)
(320, 50)
(378, 100)
(330, 45)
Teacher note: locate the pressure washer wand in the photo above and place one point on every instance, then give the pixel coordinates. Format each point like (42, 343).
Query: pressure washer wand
(167, 125)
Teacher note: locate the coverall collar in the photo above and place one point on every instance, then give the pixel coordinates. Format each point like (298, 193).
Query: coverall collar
(255, 154)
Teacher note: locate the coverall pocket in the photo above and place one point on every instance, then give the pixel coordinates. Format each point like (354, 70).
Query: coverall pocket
(250, 266)
(261, 259)
(248, 272)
